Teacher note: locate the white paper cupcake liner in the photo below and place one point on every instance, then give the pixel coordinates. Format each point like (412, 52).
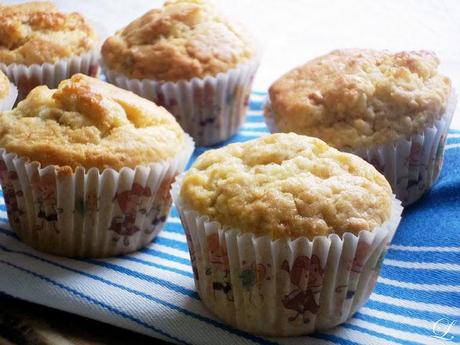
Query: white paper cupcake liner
(283, 287)
(7, 102)
(27, 77)
(411, 165)
(211, 109)
(88, 213)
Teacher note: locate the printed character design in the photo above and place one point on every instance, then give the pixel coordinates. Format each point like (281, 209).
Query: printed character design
(219, 266)
(130, 202)
(355, 268)
(254, 276)
(162, 101)
(307, 277)
(160, 210)
(46, 201)
(375, 273)
(206, 107)
(415, 178)
(88, 207)
(10, 194)
(439, 156)
(192, 252)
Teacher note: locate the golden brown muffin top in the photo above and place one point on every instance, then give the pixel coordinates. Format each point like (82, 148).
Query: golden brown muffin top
(4, 85)
(354, 98)
(287, 185)
(182, 40)
(87, 122)
(37, 33)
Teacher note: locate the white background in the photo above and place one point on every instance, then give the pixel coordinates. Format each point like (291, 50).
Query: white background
(293, 31)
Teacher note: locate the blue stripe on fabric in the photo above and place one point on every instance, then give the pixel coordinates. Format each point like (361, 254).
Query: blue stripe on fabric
(440, 298)
(403, 311)
(94, 301)
(153, 264)
(421, 276)
(149, 297)
(165, 283)
(153, 252)
(171, 243)
(379, 334)
(2, 207)
(173, 227)
(434, 257)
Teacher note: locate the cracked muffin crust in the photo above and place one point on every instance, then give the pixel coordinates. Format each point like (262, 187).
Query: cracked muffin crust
(4, 86)
(359, 98)
(182, 40)
(287, 185)
(37, 33)
(87, 122)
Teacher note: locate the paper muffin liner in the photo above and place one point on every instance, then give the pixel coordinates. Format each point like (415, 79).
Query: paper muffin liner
(283, 287)
(88, 213)
(211, 109)
(411, 165)
(8, 101)
(28, 77)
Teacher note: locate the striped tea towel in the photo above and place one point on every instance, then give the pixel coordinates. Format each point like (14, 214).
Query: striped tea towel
(417, 299)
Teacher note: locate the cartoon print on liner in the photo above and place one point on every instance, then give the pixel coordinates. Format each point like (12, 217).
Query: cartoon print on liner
(415, 177)
(219, 266)
(10, 194)
(45, 187)
(355, 268)
(129, 202)
(307, 277)
(88, 207)
(253, 276)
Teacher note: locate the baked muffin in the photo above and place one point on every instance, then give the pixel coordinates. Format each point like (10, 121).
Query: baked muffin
(8, 93)
(86, 168)
(188, 58)
(286, 233)
(41, 45)
(385, 107)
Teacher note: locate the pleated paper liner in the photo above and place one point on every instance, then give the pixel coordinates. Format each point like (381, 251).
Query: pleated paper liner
(88, 213)
(211, 109)
(412, 164)
(283, 287)
(7, 102)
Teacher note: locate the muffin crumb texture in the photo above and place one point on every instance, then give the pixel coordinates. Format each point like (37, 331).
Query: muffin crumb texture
(4, 85)
(287, 185)
(87, 122)
(37, 33)
(182, 40)
(358, 98)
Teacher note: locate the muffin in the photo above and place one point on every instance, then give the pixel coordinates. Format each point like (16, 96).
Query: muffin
(188, 58)
(392, 109)
(86, 168)
(8, 93)
(40, 45)
(286, 234)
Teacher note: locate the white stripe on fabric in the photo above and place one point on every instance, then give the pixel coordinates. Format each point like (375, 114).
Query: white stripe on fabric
(425, 248)
(149, 259)
(254, 113)
(404, 320)
(452, 146)
(423, 265)
(254, 134)
(171, 251)
(420, 287)
(172, 236)
(453, 135)
(258, 98)
(174, 220)
(3, 215)
(415, 305)
(254, 125)
(358, 336)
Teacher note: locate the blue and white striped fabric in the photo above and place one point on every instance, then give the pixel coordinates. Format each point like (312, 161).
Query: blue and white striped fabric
(417, 299)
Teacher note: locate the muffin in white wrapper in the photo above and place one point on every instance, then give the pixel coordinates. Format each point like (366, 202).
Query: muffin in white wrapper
(411, 164)
(286, 234)
(8, 101)
(44, 46)
(88, 213)
(210, 109)
(190, 59)
(283, 287)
